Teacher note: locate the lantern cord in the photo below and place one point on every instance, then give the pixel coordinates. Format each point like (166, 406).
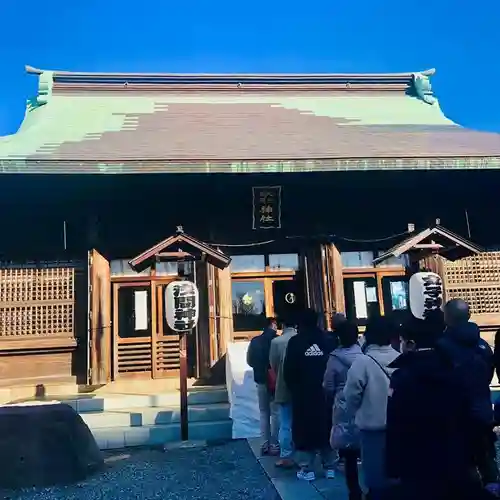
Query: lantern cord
(310, 237)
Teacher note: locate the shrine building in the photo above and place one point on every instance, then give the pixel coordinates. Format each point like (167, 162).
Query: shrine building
(277, 190)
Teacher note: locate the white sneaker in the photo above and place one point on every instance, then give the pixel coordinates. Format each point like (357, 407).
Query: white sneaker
(306, 476)
(330, 473)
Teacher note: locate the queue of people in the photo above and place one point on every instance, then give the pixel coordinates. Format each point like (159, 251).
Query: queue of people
(417, 413)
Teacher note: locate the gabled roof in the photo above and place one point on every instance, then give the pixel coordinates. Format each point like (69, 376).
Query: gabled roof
(187, 245)
(447, 244)
(134, 123)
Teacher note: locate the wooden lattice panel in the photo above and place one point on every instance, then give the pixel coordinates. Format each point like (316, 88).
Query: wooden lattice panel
(477, 280)
(481, 301)
(482, 269)
(167, 353)
(37, 301)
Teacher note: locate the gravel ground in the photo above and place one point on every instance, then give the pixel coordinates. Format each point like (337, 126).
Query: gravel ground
(225, 472)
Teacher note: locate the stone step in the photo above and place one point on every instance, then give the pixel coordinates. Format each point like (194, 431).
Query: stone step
(154, 435)
(137, 417)
(107, 402)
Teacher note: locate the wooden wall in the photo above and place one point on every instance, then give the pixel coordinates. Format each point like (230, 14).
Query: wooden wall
(104, 211)
(41, 323)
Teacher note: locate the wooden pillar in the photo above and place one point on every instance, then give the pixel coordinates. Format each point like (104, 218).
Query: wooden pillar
(203, 360)
(213, 326)
(315, 279)
(335, 279)
(225, 302)
(100, 319)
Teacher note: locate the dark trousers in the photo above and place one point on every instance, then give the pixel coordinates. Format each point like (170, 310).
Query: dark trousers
(351, 456)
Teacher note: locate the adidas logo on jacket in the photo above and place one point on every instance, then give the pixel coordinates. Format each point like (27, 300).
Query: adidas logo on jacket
(314, 350)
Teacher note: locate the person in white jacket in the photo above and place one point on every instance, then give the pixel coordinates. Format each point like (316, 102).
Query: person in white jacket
(366, 392)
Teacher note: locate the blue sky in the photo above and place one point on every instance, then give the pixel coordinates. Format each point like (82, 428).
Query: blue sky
(461, 39)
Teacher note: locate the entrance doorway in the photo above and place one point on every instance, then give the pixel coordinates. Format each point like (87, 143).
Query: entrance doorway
(255, 299)
(371, 294)
(288, 298)
(143, 346)
(361, 299)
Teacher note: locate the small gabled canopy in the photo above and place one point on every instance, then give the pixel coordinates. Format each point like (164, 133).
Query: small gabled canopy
(182, 247)
(435, 239)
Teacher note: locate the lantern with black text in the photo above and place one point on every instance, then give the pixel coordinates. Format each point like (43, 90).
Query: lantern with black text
(426, 293)
(181, 305)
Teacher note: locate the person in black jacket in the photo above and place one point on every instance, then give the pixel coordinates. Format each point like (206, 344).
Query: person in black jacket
(258, 360)
(430, 445)
(304, 367)
(472, 359)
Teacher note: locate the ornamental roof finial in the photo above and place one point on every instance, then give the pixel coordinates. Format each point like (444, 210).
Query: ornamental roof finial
(423, 87)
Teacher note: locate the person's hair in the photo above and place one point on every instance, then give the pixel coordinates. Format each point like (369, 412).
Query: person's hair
(456, 312)
(347, 333)
(271, 321)
(379, 331)
(307, 319)
(288, 320)
(424, 333)
(337, 320)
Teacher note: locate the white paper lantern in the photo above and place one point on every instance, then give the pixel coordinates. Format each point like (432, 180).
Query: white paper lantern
(181, 305)
(426, 293)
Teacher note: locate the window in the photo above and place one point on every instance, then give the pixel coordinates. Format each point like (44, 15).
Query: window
(401, 261)
(166, 268)
(357, 259)
(284, 262)
(120, 267)
(134, 306)
(255, 292)
(249, 307)
(399, 295)
(248, 263)
(395, 293)
(361, 299)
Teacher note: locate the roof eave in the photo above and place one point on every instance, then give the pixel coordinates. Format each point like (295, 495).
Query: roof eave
(212, 166)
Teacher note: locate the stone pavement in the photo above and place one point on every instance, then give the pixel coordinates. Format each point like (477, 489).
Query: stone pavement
(289, 488)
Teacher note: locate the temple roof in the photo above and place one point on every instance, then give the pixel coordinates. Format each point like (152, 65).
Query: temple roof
(134, 123)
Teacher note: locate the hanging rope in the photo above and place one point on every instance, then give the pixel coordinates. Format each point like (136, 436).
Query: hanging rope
(308, 237)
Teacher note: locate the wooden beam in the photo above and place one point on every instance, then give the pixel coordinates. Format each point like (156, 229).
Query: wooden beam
(172, 256)
(428, 246)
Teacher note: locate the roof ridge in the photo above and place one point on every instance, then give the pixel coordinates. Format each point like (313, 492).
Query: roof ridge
(57, 73)
(415, 84)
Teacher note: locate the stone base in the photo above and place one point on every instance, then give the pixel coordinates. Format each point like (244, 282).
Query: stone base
(44, 445)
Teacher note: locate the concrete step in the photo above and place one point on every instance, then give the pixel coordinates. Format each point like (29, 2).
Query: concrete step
(107, 402)
(154, 435)
(137, 417)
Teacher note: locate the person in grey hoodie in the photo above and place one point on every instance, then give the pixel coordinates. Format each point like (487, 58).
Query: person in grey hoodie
(281, 394)
(345, 435)
(366, 392)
